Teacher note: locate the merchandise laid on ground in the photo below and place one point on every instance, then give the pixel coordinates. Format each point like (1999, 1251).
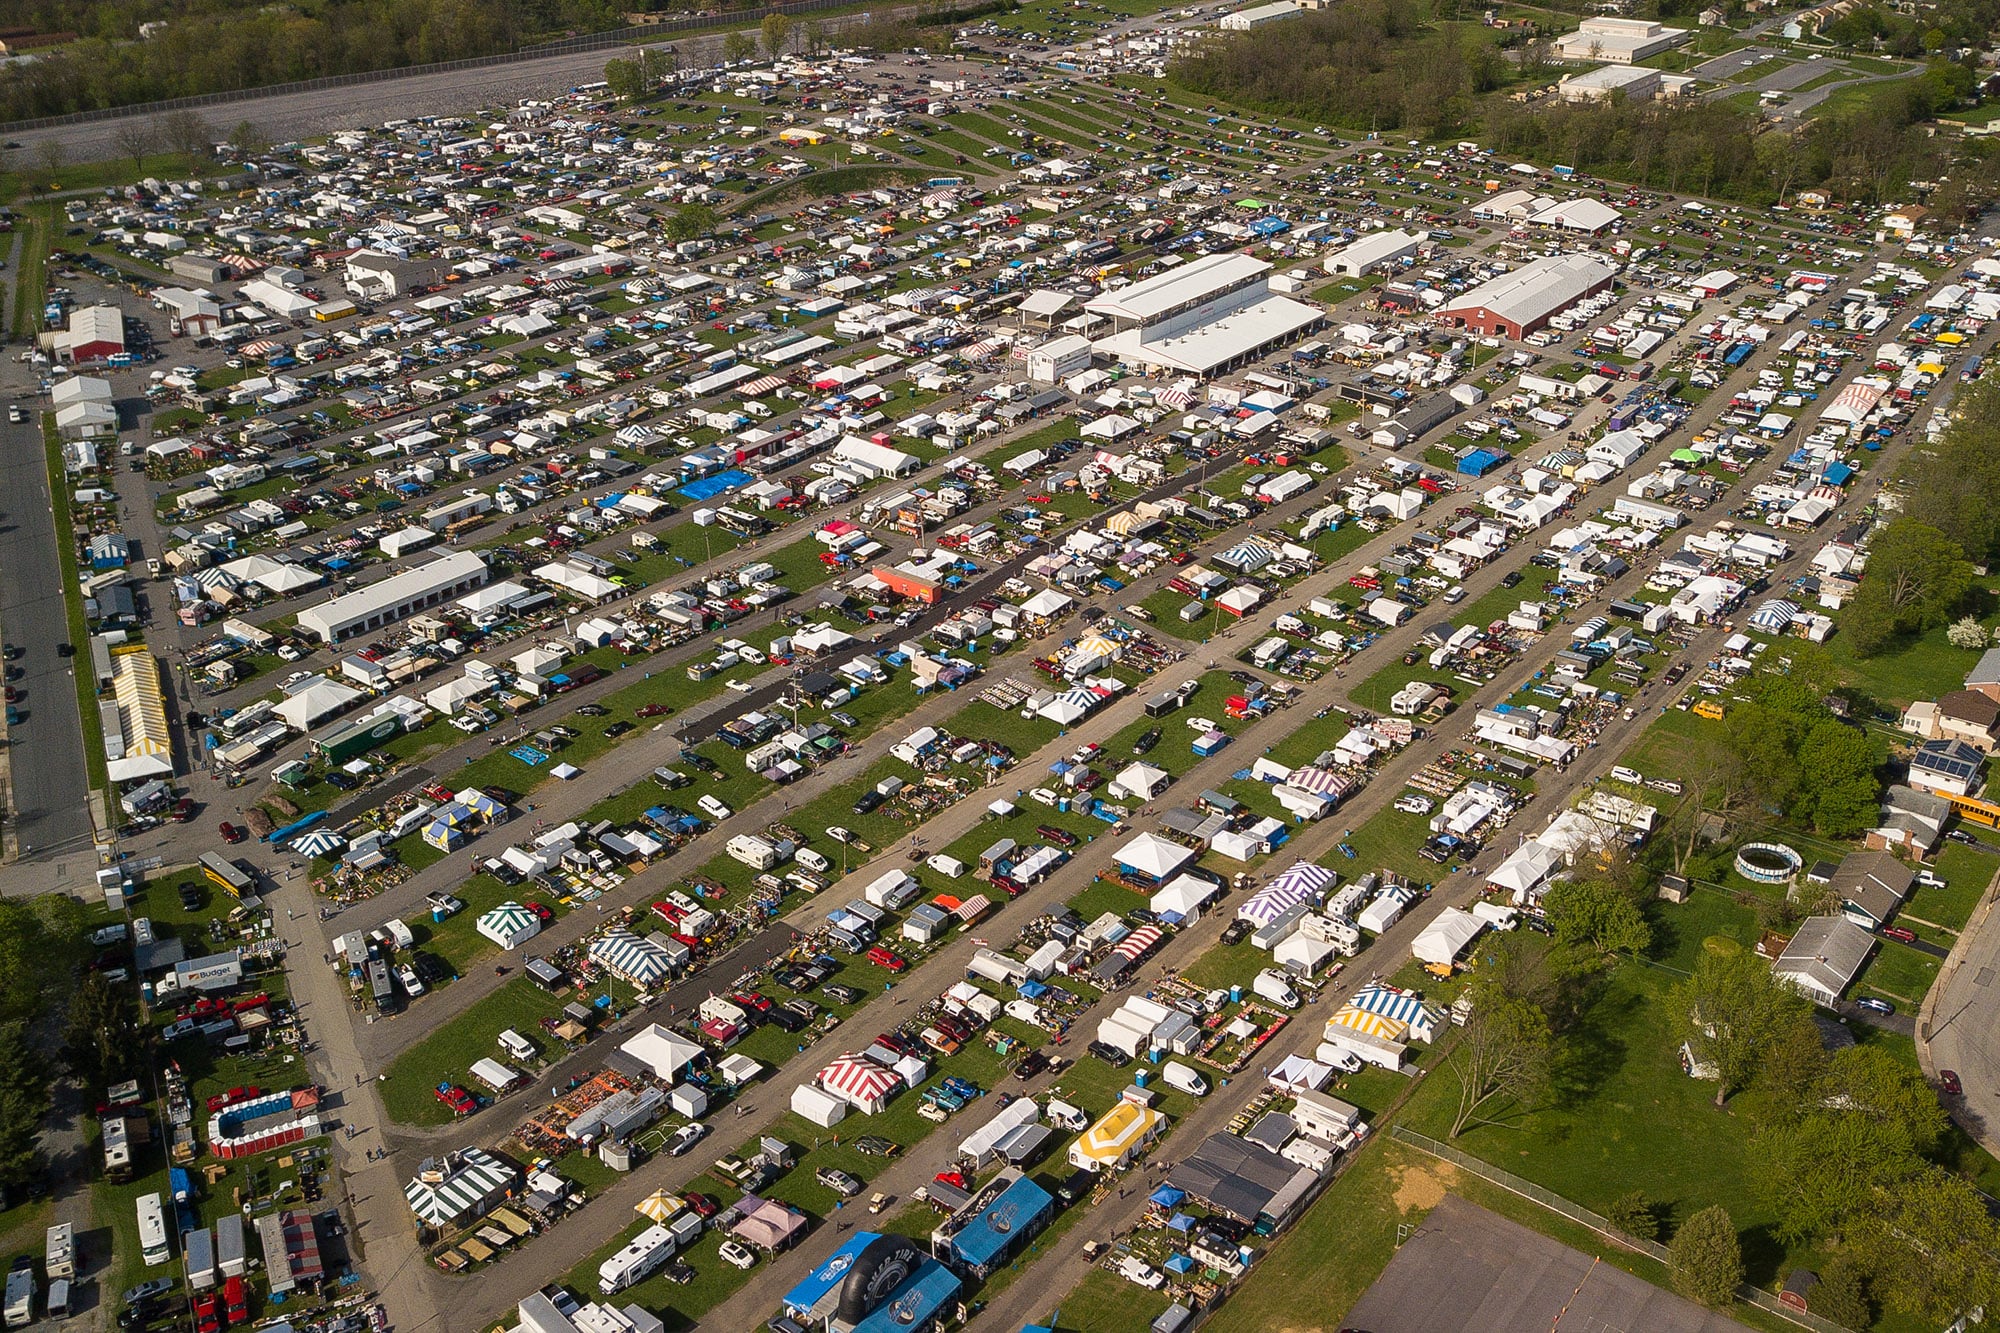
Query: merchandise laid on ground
(1212, 718)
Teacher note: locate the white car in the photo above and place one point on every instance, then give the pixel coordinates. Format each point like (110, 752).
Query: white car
(412, 985)
(1414, 805)
(714, 809)
(739, 1255)
(740, 686)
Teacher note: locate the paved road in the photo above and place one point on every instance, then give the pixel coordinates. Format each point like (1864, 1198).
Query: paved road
(1960, 1015)
(286, 116)
(50, 781)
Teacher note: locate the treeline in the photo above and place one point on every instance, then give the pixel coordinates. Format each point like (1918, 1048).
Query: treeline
(1369, 65)
(222, 47)
(1870, 154)
(1372, 66)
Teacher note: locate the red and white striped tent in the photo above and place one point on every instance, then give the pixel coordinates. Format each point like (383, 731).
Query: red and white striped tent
(763, 384)
(862, 1084)
(973, 908)
(1139, 943)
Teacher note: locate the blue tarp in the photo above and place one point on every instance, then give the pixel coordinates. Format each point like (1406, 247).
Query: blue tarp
(707, 488)
(930, 1289)
(1166, 1196)
(1838, 473)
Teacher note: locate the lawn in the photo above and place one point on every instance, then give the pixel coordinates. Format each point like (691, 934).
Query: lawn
(1899, 973)
(1966, 872)
(408, 1087)
(1922, 667)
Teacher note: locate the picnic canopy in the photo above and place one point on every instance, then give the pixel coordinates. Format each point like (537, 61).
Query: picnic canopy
(509, 925)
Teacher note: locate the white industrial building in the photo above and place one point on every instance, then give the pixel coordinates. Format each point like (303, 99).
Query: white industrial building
(1618, 41)
(1059, 358)
(1243, 20)
(1635, 83)
(1202, 318)
(1378, 250)
(396, 597)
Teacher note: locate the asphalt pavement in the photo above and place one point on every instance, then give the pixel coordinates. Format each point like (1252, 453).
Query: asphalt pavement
(46, 755)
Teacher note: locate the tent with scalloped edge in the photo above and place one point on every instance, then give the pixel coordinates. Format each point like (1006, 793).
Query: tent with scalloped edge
(509, 925)
(1373, 1025)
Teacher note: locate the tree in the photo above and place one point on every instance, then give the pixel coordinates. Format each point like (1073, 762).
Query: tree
(1870, 1083)
(738, 47)
(776, 31)
(1841, 797)
(659, 62)
(691, 222)
(1729, 1013)
(625, 79)
(1504, 1052)
(1841, 1294)
(101, 1033)
(1707, 1258)
(51, 157)
(1967, 633)
(1594, 915)
(135, 139)
(187, 134)
(815, 36)
(1633, 1214)
(1933, 1249)
(248, 140)
(24, 1101)
(1823, 1169)
(1917, 577)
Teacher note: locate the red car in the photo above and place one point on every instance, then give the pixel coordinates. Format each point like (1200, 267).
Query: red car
(543, 913)
(230, 833)
(184, 809)
(1948, 1080)
(1900, 933)
(458, 1099)
(887, 958)
(704, 1205)
(654, 710)
(751, 1000)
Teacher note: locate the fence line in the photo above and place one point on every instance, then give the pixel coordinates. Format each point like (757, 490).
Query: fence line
(1556, 1203)
(562, 46)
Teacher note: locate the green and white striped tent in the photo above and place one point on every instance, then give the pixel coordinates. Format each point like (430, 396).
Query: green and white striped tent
(509, 925)
(454, 1188)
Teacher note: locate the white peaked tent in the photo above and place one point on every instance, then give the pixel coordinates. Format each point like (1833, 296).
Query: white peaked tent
(1445, 938)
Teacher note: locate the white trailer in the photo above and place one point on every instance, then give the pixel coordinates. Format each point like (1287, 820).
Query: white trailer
(647, 1253)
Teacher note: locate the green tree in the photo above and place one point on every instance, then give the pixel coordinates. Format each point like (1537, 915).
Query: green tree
(1707, 1259)
(1842, 797)
(625, 79)
(1504, 1053)
(248, 139)
(691, 222)
(1823, 1169)
(776, 31)
(101, 1033)
(1933, 1249)
(1595, 915)
(815, 36)
(1841, 1295)
(1729, 1012)
(1633, 1214)
(1917, 578)
(738, 47)
(24, 1102)
(51, 157)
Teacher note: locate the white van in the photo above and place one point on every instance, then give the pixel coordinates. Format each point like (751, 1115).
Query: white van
(812, 861)
(1183, 1079)
(948, 866)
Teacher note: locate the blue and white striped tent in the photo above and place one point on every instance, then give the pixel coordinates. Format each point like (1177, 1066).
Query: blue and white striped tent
(1773, 616)
(631, 959)
(1247, 555)
(1402, 1006)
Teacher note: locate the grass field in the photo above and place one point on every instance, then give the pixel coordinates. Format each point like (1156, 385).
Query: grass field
(1966, 872)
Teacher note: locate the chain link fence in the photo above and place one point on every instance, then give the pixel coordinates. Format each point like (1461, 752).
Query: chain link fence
(564, 46)
(1556, 1203)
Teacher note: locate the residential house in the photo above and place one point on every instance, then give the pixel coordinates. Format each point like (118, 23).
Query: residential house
(1824, 957)
(1870, 886)
(1910, 821)
(1949, 767)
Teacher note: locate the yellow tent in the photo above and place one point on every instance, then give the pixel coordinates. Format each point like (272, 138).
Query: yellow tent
(659, 1206)
(1375, 1025)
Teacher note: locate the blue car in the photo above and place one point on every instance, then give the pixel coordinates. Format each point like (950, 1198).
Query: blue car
(961, 1088)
